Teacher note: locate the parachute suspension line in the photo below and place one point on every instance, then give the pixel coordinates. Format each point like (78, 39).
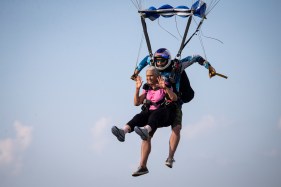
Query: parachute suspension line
(202, 45)
(201, 33)
(134, 3)
(166, 30)
(184, 36)
(177, 27)
(137, 4)
(195, 32)
(142, 5)
(147, 38)
(212, 5)
(139, 50)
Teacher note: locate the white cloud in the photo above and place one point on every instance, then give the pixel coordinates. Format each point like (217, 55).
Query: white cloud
(24, 135)
(98, 132)
(11, 149)
(279, 123)
(6, 151)
(206, 124)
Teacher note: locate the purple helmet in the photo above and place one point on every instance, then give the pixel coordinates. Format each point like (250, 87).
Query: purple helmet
(162, 55)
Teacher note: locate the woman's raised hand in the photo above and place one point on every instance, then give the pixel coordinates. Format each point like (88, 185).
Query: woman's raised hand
(138, 82)
(161, 82)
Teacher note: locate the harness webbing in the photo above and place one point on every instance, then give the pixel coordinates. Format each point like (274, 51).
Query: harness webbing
(155, 103)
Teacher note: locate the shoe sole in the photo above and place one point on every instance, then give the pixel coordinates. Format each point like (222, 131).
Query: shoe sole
(139, 132)
(169, 165)
(116, 133)
(139, 174)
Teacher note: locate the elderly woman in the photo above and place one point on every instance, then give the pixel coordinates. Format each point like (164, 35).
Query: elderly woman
(158, 110)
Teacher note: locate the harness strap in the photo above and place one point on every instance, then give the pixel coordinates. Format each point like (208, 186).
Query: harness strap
(149, 102)
(176, 67)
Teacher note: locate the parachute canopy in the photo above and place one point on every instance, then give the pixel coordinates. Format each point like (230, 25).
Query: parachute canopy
(197, 9)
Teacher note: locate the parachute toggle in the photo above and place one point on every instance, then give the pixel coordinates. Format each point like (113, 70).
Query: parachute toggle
(198, 9)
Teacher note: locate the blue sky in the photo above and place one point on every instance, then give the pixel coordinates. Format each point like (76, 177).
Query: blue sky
(64, 79)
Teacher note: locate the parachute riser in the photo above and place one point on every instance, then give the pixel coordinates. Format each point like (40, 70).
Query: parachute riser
(147, 38)
(152, 13)
(195, 32)
(184, 36)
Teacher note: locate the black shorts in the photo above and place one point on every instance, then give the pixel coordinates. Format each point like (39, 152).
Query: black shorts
(162, 117)
(178, 117)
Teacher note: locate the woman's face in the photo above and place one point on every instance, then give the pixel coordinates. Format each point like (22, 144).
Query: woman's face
(151, 78)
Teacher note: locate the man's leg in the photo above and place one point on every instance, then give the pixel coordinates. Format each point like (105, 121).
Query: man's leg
(174, 138)
(145, 151)
(174, 141)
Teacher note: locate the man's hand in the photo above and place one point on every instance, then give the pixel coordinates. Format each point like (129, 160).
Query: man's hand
(134, 76)
(212, 71)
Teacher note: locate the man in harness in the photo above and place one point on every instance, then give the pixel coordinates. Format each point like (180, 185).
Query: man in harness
(173, 72)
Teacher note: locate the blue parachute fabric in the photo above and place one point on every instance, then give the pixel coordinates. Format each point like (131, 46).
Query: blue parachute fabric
(151, 14)
(166, 7)
(200, 12)
(181, 7)
(198, 9)
(195, 5)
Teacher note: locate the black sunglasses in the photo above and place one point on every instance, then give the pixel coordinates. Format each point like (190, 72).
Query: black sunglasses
(161, 60)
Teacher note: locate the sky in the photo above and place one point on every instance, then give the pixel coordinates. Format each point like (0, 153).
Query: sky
(65, 68)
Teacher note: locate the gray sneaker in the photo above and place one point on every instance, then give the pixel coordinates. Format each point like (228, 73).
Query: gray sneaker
(119, 133)
(140, 171)
(142, 132)
(169, 162)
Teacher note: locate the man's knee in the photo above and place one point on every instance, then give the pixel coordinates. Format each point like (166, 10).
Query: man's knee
(148, 140)
(177, 129)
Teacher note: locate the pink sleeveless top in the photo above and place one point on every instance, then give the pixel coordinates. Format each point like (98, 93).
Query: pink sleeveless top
(154, 96)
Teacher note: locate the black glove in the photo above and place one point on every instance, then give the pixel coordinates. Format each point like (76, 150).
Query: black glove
(134, 76)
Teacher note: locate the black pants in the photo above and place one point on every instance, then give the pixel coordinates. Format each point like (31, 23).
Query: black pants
(161, 117)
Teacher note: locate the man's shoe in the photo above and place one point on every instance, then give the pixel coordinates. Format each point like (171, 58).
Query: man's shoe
(119, 133)
(169, 162)
(140, 171)
(142, 132)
